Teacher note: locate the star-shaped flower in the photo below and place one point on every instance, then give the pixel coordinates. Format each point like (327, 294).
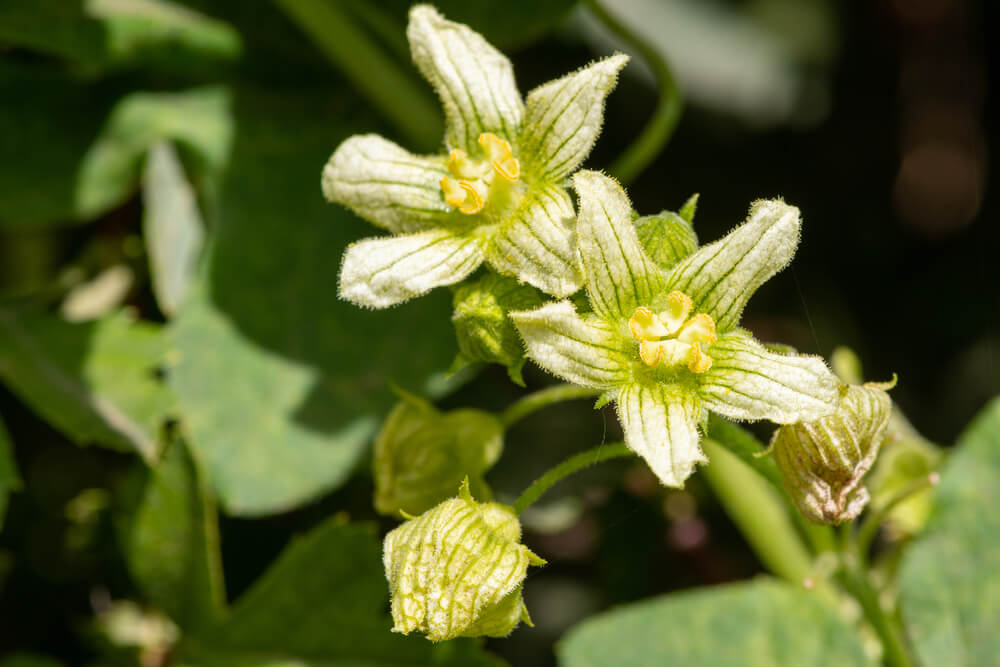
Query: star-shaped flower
(663, 342)
(497, 196)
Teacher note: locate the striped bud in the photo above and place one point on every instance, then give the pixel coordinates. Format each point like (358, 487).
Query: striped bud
(822, 462)
(457, 570)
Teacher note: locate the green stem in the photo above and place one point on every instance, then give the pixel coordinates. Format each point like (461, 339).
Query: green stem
(571, 465)
(759, 513)
(374, 73)
(856, 582)
(665, 116)
(542, 398)
(869, 527)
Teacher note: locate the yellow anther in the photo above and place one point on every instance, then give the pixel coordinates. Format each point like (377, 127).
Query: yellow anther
(698, 329)
(499, 154)
(679, 306)
(650, 352)
(644, 325)
(460, 166)
(698, 361)
(468, 197)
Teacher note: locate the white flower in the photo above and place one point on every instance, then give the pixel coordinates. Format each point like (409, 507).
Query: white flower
(663, 342)
(497, 196)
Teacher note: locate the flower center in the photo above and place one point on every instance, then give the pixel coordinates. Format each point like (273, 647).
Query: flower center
(470, 187)
(673, 337)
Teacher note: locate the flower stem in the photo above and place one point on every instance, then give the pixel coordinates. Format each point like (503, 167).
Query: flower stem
(542, 398)
(571, 465)
(665, 116)
(869, 527)
(854, 578)
(373, 72)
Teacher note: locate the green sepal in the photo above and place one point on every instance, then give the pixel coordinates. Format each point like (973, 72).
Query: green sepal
(688, 209)
(606, 397)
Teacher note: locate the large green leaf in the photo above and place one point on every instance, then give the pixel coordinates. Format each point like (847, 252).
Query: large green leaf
(95, 35)
(764, 622)
(172, 543)
(10, 480)
(281, 384)
(950, 578)
(70, 151)
(323, 603)
(95, 381)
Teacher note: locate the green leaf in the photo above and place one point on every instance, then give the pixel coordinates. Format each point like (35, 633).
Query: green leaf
(172, 226)
(763, 622)
(69, 152)
(10, 480)
(281, 384)
(29, 660)
(95, 381)
(96, 35)
(322, 603)
(172, 543)
(950, 577)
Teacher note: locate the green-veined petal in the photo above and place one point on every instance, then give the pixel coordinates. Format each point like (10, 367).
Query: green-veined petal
(474, 80)
(536, 244)
(661, 426)
(386, 185)
(722, 276)
(619, 274)
(583, 351)
(746, 381)
(383, 272)
(564, 117)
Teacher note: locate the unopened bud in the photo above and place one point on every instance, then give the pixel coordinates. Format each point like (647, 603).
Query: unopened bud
(457, 570)
(482, 328)
(668, 237)
(822, 462)
(422, 454)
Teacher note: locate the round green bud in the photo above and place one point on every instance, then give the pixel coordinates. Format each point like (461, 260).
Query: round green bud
(482, 328)
(457, 570)
(822, 462)
(668, 237)
(422, 454)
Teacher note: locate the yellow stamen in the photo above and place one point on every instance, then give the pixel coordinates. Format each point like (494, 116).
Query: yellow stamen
(679, 306)
(698, 329)
(468, 197)
(644, 325)
(499, 154)
(698, 361)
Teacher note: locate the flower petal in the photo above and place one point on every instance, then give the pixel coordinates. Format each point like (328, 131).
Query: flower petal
(386, 185)
(536, 243)
(661, 426)
(583, 351)
(474, 80)
(722, 276)
(383, 272)
(564, 117)
(746, 381)
(619, 274)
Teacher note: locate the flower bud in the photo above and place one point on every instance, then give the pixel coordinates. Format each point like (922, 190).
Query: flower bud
(483, 330)
(422, 454)
(822, 462)
(457, 570)
(668, 237)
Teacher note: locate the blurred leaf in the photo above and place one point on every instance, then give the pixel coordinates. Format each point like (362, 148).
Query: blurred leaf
(763, 622)
(28, 660)
(323, 603)
(172, 545)
(60, 160)
(281, 384)
(96, 35)
(172, 226)
(950, 577)
(95, 381)
(10, 480)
